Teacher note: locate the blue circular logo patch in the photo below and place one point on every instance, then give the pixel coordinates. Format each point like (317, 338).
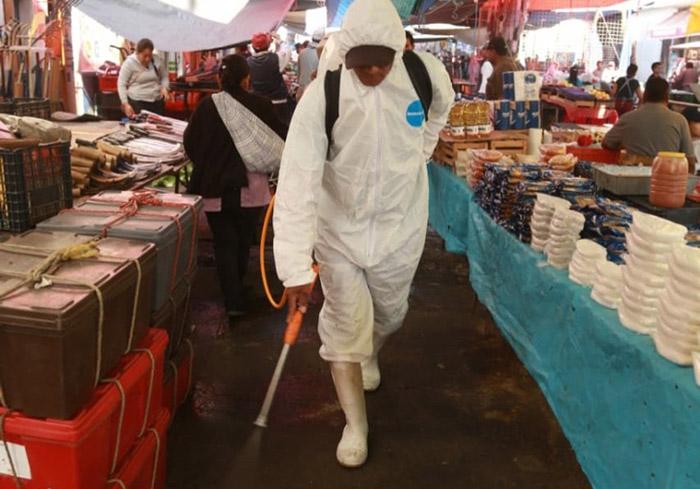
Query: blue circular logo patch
(415, 115)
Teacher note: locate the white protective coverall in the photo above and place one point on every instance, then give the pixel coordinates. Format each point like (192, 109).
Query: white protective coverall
(361, 207)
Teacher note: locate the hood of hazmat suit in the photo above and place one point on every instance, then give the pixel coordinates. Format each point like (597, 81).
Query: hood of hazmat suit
(367, 195)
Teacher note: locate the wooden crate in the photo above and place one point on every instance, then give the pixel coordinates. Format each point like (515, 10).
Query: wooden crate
(510, 146)
(447, 150)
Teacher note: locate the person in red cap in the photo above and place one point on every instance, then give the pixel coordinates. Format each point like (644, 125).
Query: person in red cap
(266, 76)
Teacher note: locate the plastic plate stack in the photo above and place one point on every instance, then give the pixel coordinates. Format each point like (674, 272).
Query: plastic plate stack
(542, 215)
(607, 284)
(564, 230)
(582, 268)
(678, 329)
(650, 241)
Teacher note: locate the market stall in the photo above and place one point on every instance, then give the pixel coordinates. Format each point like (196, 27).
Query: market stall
(628, 412)
(576, 105)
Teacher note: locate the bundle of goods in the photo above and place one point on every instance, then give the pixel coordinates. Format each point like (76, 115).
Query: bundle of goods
(471, 118)
(160, 127)
(573, 188)
(562, 162)
(650, 242)
(607, 222)
(104, 166)
(525, 202)
(542, 214)
(167, 220)
(473, 162)
(583, 266)
(564, 231)
(678, 327)
(549, 151)
(516, 115)
(693, 236)
(496, 192)
(35, 176)
(588, 135)
(608, 284)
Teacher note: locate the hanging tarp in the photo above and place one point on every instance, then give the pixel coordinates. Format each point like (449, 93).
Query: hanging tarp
(673, 27)
(337, 8)
(174, 29)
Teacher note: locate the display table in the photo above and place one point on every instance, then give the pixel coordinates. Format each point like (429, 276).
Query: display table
(509, 142)
(632, 417)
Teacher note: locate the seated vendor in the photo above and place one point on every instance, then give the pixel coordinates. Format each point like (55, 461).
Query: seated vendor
(652, 128)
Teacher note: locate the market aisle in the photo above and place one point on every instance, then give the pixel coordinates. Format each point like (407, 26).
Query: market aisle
(456, 406)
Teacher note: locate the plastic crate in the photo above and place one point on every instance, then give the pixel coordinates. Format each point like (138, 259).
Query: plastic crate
(35, 184)
(33, 107)
(107, 83)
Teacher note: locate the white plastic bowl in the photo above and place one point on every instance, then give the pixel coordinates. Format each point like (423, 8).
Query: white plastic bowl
(677, 318)
(609, 270)
(656, 229)
(645, 279)
(667, 349)
(650, 247)
(634, 323)
(643, 300)
(557, 263)
(591, 250)
(552, 201)
(638, 308)
(681, 340)
(636, 247)
(605, 301)
(680, 300)
(687, 257)
(683, 276)
(651, 267)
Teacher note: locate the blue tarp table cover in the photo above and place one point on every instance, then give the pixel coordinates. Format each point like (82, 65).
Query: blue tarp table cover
(632, 417)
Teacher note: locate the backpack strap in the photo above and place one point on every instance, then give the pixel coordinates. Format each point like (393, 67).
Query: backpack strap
(420, 78)
(417, 72)
(332, 89)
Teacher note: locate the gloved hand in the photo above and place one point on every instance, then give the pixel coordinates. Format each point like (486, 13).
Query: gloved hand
(298, 300)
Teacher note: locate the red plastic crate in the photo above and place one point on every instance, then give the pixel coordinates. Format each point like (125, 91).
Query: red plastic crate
(145, 466)
(80, 453)
(178, 379)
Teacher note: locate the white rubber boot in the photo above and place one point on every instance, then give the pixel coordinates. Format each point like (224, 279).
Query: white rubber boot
(371, 376)
(352, 449)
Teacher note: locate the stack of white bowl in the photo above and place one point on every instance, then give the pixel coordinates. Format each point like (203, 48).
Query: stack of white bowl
(582, 268)
(607, 284)
(542, 215)
(564, 230)
(650, 241)
(678, 330)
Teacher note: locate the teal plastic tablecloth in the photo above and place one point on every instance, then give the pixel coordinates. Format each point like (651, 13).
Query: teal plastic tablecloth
(632, 417)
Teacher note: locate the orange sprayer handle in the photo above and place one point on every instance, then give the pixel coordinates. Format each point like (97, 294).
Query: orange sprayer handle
(292, 332)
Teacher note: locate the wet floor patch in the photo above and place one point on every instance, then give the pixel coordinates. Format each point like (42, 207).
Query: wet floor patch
(456, 408)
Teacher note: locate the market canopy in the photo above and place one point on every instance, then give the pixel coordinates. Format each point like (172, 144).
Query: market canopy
(174, 29)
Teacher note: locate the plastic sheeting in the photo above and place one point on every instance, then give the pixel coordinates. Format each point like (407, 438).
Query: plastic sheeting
(173, 29)
(632, 417)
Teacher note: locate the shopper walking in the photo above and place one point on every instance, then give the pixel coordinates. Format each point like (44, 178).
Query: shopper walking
(353, 192)
(234, 197)
(143, 81)
(656, 71)
(308, 62)
(627, 91)
(267, 77)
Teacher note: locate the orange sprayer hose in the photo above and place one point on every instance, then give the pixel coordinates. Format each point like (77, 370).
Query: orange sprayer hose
(263, 271)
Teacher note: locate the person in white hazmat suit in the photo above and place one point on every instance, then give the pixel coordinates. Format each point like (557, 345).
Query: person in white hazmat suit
(359, 204)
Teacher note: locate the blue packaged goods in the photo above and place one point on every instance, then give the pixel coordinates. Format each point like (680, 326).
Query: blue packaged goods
(503, 115)
(517, 117)
(509, 85)
(533, 115)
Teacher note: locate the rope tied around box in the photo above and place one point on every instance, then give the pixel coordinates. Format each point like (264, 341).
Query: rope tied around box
(133, 207)
(156, 460)
(40, 276)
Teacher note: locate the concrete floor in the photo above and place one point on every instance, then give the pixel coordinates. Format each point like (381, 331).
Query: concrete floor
(456, 408)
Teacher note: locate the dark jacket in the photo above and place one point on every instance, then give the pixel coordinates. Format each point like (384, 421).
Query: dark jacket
(266, 76)
(217, 166)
